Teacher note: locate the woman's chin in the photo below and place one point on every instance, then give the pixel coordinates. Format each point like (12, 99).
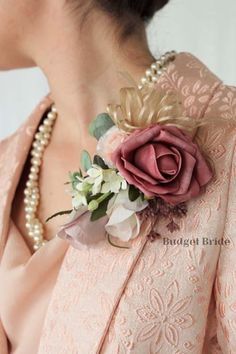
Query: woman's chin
(12, 63)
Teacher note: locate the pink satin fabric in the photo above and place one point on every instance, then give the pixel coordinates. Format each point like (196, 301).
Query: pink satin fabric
(152, 298)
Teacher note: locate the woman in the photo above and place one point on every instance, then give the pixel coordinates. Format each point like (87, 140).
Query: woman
(155, 297)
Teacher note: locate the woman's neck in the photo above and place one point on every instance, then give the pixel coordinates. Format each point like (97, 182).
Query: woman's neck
(82, 68)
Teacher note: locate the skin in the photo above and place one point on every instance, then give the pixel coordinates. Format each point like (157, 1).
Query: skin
(82, 66)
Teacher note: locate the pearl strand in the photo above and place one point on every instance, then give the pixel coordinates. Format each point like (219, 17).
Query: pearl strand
(32, 192)
(154, 72)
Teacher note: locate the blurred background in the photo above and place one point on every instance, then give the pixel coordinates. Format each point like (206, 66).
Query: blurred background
(206, 28)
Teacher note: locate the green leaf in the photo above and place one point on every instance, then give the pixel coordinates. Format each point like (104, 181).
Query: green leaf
(64, 212)
(100, 162)
(86, 162)
(101, 211)
(134, 193)
(74, 178)
(91, 197)
(100, 125)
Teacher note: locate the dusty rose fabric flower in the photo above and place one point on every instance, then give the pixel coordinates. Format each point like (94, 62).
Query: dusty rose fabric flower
(80, 232)
(163, 161)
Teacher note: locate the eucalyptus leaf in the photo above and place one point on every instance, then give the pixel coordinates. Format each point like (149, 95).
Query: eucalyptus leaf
(100, 162)
(134, 193)
(100, 125)
(86, 161)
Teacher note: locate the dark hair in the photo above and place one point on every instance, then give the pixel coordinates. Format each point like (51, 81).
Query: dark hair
(145, 9)
(128, 13)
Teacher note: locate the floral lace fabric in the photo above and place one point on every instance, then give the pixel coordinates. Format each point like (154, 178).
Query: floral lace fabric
(153, 298)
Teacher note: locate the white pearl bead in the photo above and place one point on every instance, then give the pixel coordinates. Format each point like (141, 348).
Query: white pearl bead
(47, 136)
(36, 161)
(31, 234)
(154, 79)
(154, 67)
(34, 169)
(30, 184)
(29, 209)
(42, 129)
(38, 136)
(38, 154)
(144, 80)
(44, 142)
(37, 232)
(148, 72)
(36, 246)
(34, 203)
(28, 217)
(35, 144)
(35, 196)
(27, 192)
(26, 200)
(37, 238)
(48, 122)
(54, 110)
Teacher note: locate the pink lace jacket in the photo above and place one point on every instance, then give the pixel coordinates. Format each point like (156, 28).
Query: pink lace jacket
(153, 298)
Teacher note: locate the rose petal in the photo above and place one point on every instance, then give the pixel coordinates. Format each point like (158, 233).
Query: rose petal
(145, 160)
(123, 224)
(82, 233)
(177, 140)
(167, 165)
(186, 174)
(158, 189)
(193, 191)
(203, 172)
(135, 171)
(138, 139)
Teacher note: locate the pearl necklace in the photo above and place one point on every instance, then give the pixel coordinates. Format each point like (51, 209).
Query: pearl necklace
(42, 138)
(32, 194)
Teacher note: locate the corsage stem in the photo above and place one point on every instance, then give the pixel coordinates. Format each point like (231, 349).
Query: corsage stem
(113, 244)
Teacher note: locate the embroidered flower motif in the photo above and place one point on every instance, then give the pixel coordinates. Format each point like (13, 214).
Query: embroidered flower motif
(164, 316)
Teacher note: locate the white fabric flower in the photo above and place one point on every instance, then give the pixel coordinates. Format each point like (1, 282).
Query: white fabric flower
(123, 221)
(104, 180)
(79, 199)
(113, 182)
(95, 177)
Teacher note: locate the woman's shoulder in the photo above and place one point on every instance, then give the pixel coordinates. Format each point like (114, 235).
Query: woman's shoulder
(200, 89)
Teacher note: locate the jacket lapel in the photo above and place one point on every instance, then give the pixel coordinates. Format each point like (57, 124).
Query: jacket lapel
(87, 293)
(13, 155)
